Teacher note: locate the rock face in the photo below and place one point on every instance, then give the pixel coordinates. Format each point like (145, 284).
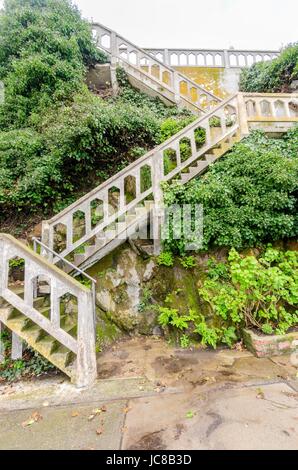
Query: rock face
(121, 291)
(130, 288)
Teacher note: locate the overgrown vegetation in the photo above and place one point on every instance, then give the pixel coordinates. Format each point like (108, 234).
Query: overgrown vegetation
(53, 129)
(246, 291)
(249, 197)
(272, 76)
(31, 365)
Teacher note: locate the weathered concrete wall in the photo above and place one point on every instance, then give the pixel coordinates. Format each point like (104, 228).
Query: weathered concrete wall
(223, 82)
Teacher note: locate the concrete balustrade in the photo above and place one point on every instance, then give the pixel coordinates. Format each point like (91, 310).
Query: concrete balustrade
(35, 266)
(223, 58)
(159, 76)
(154, 164)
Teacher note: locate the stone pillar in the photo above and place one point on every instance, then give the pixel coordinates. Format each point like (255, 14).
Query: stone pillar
(16, 347)
(114, 54)
(242, 115)
(176, 86)
(166, 57)
(157, 213)
(226, 59)
(1, 344)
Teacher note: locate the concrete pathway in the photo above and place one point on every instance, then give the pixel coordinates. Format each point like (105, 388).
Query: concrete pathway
(151, 396)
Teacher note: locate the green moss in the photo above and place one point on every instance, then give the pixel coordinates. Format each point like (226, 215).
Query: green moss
(106, 331)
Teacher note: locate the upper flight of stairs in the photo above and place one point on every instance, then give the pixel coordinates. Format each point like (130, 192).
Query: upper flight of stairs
(148, 74)
(126, 205)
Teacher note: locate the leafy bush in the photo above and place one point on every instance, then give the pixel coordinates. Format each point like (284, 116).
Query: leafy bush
(188, 262)
(165, 259)
(272, 76)
(44, 48)
(259, 293)
(246, 291)
(249, 197)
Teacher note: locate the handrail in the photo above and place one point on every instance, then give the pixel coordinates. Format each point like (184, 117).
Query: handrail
(83, 345)
(221, 58)
(140, 161)
(75, 268)
(153, 159)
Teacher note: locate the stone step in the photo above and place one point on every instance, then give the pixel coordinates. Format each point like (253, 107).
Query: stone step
(48, 347)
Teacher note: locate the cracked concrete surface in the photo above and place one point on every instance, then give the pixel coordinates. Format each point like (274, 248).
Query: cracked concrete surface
(156, 397)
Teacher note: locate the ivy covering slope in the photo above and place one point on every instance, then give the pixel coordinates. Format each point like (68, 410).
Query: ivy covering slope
(272, 76)
(249, 197)
(57, 139)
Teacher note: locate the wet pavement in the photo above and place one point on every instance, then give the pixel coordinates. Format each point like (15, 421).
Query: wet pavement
(152, 396)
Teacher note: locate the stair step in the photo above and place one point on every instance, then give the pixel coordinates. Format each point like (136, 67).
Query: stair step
(210, 158)
(63, 358)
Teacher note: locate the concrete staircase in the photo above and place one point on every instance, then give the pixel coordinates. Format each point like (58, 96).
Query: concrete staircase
(36, 312)
(152, 76)
(111, 214)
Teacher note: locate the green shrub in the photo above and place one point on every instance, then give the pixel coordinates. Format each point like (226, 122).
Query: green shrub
(188, 262)
(245, 292)
(165, 259)
(272, 76)
(249, 197)
(260, 293)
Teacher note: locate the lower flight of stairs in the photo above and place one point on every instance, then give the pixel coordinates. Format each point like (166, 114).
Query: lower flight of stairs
(61, 357)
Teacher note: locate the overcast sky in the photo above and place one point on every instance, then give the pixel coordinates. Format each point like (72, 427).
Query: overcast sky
(244, 24)
(247, 24)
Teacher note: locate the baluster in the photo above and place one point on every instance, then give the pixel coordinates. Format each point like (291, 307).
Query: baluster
(69, 231)
(272, 108)
(287, 108)
(258, 107)
(138, 182)
(157, 217)
(16, 347)
(2, 357)
(193, 143)
(88, 224)
(55, 303)
(86, 357)
(122, 201)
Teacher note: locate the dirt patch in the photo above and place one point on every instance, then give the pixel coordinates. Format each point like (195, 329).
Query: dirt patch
(109, 369)
(152, 441)
(180, 428)
(173, 365)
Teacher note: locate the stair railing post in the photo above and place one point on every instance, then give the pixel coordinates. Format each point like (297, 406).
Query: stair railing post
(2, 351)
(226, 59)
(242, 115)
(158, 209)
(114, 54)
(47, 239)
(86, 356)
(176, 85)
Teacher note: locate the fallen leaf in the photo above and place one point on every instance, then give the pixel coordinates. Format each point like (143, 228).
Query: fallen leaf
(126, 410)
(260, 394)
(34, 418)
(74, 414)
(190, 414)
(91, 417)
